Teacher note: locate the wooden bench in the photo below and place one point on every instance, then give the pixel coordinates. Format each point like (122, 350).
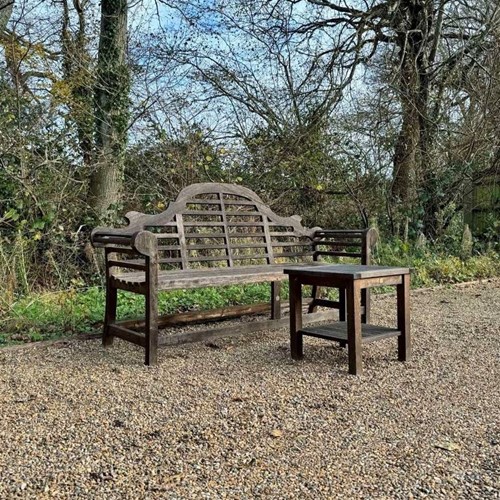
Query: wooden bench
(213, 235)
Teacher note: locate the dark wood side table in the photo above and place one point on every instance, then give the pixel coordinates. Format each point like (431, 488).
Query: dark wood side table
(352, 278)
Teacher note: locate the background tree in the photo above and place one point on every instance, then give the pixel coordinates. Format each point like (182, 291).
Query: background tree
(111, 108)
(272, 94)
(424, 44)
(78, 78)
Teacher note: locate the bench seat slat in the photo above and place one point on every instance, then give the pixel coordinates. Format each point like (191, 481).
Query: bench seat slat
(251, 257)
(243, 246)
(177, 248)
(293, 254)
(244, 224)
(210, 258)
(173, 248)
(283, 233)
(278, 244)
(162, 236)
(216, 276)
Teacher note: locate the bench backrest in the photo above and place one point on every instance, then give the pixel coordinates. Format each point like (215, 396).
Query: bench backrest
(214, 225)
(225, 225)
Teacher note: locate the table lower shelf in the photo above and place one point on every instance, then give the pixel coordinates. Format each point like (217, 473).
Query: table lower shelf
(338, 331)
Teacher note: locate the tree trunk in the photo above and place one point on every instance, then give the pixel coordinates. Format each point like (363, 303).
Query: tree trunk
(406, 152)
(111, 109)
(414, 20)
(79, 75)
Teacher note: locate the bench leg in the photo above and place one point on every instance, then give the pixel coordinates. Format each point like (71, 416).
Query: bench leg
(404, 341)
(109, 315)
(151, 329)
(276, 300)
(354, 327)
(296, 340)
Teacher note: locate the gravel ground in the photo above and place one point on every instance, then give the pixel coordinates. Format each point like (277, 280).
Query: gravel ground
(239, 419)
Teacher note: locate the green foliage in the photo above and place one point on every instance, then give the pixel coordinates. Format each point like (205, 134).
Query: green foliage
(294, 169)
(171, 164)
(41, 210)
(434, 265)
(51, 315)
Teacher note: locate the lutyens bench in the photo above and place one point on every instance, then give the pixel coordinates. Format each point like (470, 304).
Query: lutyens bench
(213, 235)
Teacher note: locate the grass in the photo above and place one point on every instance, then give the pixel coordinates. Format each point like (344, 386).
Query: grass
(53, 315)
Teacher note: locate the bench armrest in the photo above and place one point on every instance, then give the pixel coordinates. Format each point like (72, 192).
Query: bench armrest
(119, 240)
(341, 242)
(370, 234)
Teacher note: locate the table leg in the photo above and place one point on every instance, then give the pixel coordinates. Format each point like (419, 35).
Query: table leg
(365, 301)
(354, 327)
(342, 307)
(296, 343)
(342, 310)
(404, 340)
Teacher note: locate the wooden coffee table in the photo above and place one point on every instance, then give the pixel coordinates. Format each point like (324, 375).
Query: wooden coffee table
(350, 279)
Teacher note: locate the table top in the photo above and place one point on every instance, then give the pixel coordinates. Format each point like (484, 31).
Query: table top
(351, 271)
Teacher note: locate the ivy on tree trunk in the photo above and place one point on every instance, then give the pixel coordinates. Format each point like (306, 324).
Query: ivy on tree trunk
(111, 109)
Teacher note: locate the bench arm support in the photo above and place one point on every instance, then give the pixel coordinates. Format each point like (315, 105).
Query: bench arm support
(143, 242)
(341, 240)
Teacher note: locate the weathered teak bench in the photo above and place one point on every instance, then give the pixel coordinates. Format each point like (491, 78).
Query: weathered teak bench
(213, 234)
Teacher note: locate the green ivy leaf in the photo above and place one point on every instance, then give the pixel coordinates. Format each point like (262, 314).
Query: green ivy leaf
(11, 214)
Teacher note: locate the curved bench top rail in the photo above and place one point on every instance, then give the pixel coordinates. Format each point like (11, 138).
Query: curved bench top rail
(194, 195)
